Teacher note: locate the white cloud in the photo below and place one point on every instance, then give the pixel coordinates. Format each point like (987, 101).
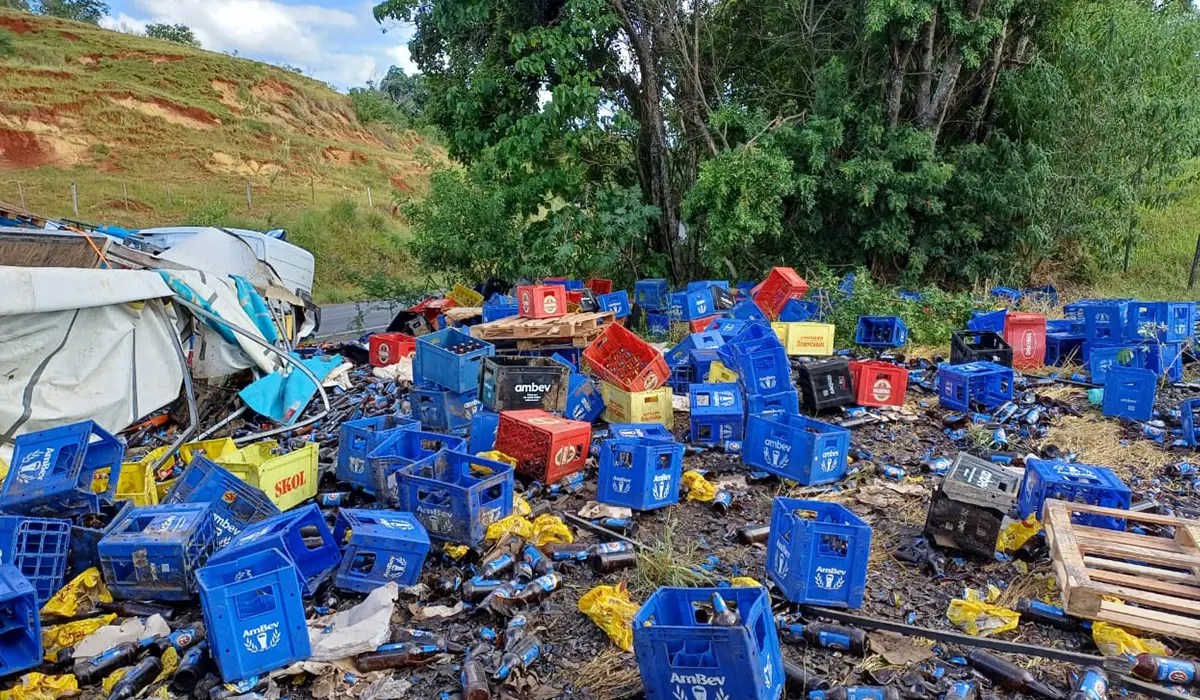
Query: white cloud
(123, 23)
(401, 57)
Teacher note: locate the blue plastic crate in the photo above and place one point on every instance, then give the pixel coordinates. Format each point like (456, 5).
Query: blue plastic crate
(796, 447)
(1101, 357)
(658, 326)
(357, 439)
(1129, 393)
(702, 285)
(744, 289)
(436, 360)
(1047, 294)
(571, 285)
(727, 327)
(701, 361)
(880, 332)
(1063, 347)
(753, 335)
(482, 436)
(1189, 416)
(154, 551)
(38, 547)
(640, 430)
(444, 411)
(254, 614)
(401, 450)
(764, 372)
(498, 307)
(382, 546)
(86, 540)
(1166, 321)
(584, 402)
(301, 534)
(682, 655)
(682, 377)
(782, 402)
(235, 504)
(52, 471)
(20, 623)
(651, 294)
(1006, 293)
(689, 306)
(642, 473)
(680, 353)
(456, 495)
(988, 321)
(817, 553)
(800, 310)
(617, 302)
(1105, 321)
(1165, 359)
(984, 384)
(748, 311)
(1076, 483)
(717, 413)
(1065, 325)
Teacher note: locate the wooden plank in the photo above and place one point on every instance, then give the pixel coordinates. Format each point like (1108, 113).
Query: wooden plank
(1153, 518)
(1130, 539)
(1145, 583)
(1095, 545)
(1065, 550)
(1144, 598)
(1179, 577)
(1148, 620)
(58, 249)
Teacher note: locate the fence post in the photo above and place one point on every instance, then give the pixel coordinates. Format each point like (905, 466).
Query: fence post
(21, 189)
(249, 196)
(125, 191)
(75, 198)
(170, 199)
(370, 201)
(312, 188)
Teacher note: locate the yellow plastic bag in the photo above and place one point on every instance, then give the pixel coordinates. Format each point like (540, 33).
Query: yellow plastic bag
(550, 528)
(79, 596)
(114, 678)
(744, 582)
(39, 686)
(698, 488)
(1114, 641)
(612, 611)
(170, 664)
(1017, 534)
(515, 524)
(521, 506)
(455, 551)
(979, 618)
(68, 635)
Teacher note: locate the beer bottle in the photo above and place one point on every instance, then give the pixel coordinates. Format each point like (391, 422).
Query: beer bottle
(1092, 685)
(1047, 614)
(800, 681)
(137, 678)
(495, 566)
(100, 666)
(129, 608)
(856, 692)
(538, 589)
(722, 615)
(520, 657)
(518, 628)
(404, 654)
(559, 551)
(192, 667)
(1163, 670)
(539, 563)
(253, 684)
(1010, 676)
(722, 501)
(474, 682)
(608, 562)
(752, 534)
(476, 589)
(962, 691)
(834, 637)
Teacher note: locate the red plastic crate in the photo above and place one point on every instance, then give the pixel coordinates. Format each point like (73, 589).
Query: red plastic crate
(388, 348)
(599, 285)
(782, 283)
(432, 308)
(1026, 334)
(624, 360)
(879, 383)
(574, 296)
(541, 301)
(546, 447)
(701, 324)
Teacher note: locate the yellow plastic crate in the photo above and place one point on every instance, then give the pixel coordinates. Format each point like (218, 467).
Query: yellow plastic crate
(805, 338)
(637, 406)
(288, 480)
(212, 449)
(136, 484)
(464, 296)
(718, 373)
(498, 456)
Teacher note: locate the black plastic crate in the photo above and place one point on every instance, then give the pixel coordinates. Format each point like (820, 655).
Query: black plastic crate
(980, 482)
(964, 526)
(410, 322)
(723, 300)
(516, 383)
(975, 346)
(825, 384)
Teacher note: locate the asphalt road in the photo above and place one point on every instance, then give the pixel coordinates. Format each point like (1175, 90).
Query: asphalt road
(355, 319)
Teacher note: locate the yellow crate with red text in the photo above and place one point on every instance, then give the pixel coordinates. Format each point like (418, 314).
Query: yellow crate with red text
(653, 406)
(288, 479)
(805, 338)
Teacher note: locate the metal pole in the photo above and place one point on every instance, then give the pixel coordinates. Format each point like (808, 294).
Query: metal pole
(125, 190)
(312, 188)
(249, 197)
(370, 200)
(75, 198)
(190, 393)
(21, 189)
(170, 199)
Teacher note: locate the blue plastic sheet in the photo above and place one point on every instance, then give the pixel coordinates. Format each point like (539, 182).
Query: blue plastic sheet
(185, 292)
(282, 395)
(255, 308)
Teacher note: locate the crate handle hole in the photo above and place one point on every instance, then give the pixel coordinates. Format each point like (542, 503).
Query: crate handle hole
(254, 603)
(832, 545)
(664, 461)
(363, 563)
(624, 459)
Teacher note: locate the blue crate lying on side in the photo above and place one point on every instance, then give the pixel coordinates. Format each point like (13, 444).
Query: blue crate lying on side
(482, 436)
(357, 439)
(38, 547)
(754, 335)
(301, 534)
(1062, 348)
(689, 306)
(717, 413)
(85, 540)
(584, 401)
(617, 302)
(1006, 294)
(399, 451)
(680, 353)
(254, 614)
(817, 553)
(683, 655)
(642, 473)
(52, 471)
(728, 328)
(1166, 321)
(1165, 360)
(1189, 416)
(984, 384)
(382, 546)
(442, 410)
(799, 310)
(701, 285)
(880, 332)
(1105, 321)
(782, 402)
(651, 294)
(747, 311)
(20, 623)
(658, 326)
(1076, 483)
(1129, 393)
(498, 307)
(456, 495)
(154, 552)
(640, 430)
(451, 359)
(235, 504)
(988, 321)
(796, 447)
(1047, 294)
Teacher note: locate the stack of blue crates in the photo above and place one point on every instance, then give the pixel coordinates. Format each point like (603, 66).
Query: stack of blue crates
(1140, 334)
(683, 655)
(984, 384)
(880, 332)
(717, 413)
(52, 471)
(235, 504)
(300, 534)
(1189, 417)
(20, 623)
(357, 439)
(686, 366)
(617, 302)
(1074, 483)
(1105, 320)
(498, 307)
(38, 548)
(796, 447)
(400, 450)
(817, 553)
(652, 294)
(1129, 393)
(155, 551)
(446, 379)
(763, 368)
(382, 546)
(254, 614)
(640, 472)
(456, 495)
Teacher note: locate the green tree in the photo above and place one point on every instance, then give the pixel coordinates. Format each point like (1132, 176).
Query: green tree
(16, 4)
(79, 10)
(178, 33)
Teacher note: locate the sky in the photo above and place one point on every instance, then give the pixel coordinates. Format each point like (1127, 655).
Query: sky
(337, 41)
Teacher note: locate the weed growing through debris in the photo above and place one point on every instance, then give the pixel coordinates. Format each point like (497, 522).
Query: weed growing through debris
(662, 564)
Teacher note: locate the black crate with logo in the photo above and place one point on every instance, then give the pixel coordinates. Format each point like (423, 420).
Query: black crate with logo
(963, 526)
(976, 346)
(982, 483)
(825, 384)
(516, 383)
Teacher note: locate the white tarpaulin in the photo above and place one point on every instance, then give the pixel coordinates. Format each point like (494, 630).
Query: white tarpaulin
(215, 251)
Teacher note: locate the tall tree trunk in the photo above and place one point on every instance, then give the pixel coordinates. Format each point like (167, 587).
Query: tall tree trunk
(935, 112)
(989, 82)
(901, 51)
(925, 74)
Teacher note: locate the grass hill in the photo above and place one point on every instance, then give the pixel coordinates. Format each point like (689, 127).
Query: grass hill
(156, 133)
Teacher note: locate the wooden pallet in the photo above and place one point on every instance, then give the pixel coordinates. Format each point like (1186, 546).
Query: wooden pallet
(457, 314)
(579, 327)
(1157, 579)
